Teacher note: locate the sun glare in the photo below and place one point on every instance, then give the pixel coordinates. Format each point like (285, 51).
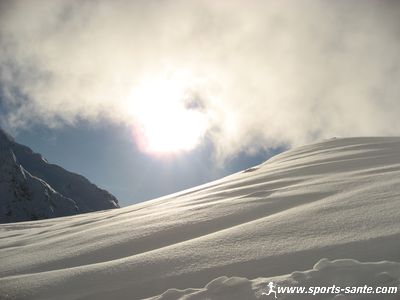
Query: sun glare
(164, 123)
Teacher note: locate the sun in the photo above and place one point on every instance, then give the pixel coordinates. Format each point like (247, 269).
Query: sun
(164, 123)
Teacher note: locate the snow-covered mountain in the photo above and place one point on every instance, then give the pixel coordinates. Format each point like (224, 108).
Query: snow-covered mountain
(32, 189)
(324, 214)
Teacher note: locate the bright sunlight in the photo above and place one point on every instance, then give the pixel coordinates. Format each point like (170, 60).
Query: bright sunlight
(165, 121)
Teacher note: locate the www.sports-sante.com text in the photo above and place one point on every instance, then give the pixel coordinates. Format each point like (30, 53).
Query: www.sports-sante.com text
(315, 290)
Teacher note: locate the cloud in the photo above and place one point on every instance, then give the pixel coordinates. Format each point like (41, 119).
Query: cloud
(265, 73)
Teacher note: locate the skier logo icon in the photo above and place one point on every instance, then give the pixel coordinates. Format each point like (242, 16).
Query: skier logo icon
(272, 288)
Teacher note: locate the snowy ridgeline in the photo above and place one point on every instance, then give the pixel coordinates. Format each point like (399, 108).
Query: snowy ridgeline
(32, 189)
(229, 239)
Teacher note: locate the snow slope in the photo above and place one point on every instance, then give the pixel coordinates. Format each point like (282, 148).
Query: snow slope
(339, 200)
(31, 188)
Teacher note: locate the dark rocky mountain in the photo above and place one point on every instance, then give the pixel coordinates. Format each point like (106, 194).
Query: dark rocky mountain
(32, 189)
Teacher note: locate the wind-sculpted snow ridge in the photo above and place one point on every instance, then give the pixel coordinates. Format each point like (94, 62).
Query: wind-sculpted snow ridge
(345, 274)
(338, 199)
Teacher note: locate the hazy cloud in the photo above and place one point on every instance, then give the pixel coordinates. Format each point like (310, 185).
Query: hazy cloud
(264, 72)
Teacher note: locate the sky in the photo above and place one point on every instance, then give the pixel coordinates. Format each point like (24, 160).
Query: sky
(108, 156)
(195, 89)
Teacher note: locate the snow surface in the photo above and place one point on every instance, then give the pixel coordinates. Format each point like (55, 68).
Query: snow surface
(339, 200)
(325, 273)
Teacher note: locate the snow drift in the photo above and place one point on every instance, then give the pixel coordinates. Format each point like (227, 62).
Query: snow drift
(340, 272)
(338, 200)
